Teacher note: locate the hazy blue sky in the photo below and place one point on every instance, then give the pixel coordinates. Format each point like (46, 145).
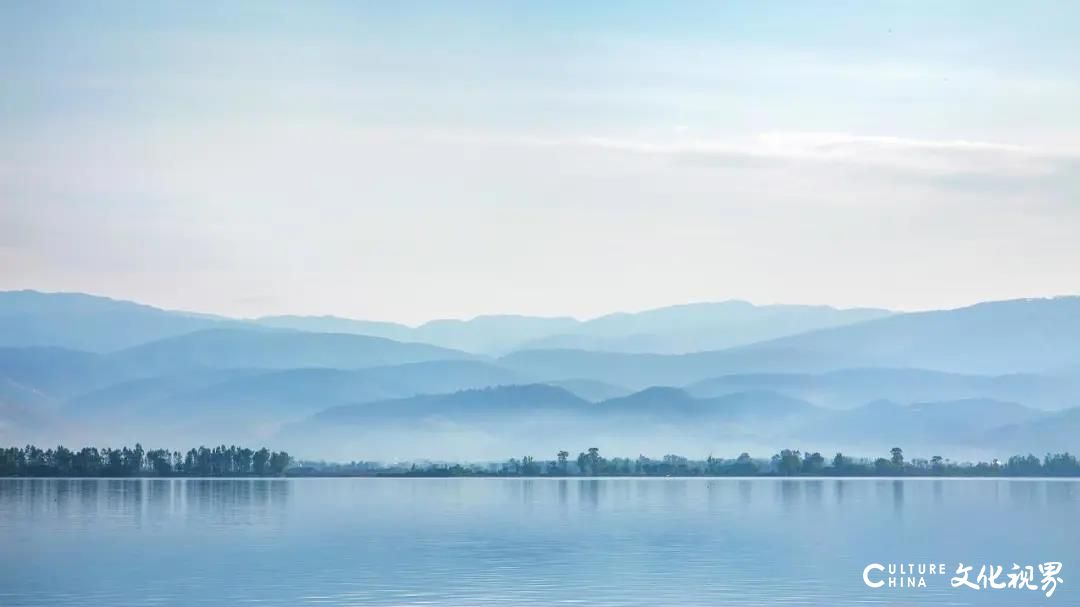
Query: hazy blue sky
(412, 160)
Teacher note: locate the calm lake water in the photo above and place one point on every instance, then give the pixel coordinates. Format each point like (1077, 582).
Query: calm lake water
(606, 542)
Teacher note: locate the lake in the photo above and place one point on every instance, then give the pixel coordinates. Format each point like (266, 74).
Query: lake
(604, 542)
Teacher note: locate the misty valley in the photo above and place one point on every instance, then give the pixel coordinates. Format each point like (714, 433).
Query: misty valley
(983, 382)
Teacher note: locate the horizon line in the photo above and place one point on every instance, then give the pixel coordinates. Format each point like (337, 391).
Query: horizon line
(577, 319)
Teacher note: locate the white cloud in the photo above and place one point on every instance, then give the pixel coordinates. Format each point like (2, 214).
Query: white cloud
(920, 159)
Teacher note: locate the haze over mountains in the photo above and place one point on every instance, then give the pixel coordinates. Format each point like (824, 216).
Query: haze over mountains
(993, 378)
(98, 324)
(670, 330)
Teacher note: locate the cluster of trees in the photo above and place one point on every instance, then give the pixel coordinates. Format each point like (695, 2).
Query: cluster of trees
(91, 461)
(788, 462)
(241, 461)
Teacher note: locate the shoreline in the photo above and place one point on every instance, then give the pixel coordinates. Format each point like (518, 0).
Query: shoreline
(548, 477)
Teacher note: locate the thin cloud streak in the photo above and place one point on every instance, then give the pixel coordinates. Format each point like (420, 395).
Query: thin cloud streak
(769, 150)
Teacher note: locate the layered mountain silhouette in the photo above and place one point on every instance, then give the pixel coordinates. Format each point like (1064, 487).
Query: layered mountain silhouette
(483, 334)
(99, 324)
(674, 329)
(698, 327)
(1024, 335)
(279, 394)
(274, 349)
(85, 322)
(994, 377)
(853, 387)
(1021, 336)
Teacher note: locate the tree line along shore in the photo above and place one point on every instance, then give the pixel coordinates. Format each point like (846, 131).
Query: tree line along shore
(234, 461)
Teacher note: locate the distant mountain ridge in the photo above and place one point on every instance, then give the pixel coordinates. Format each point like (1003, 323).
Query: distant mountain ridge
(997, 373)
(99, 324)
(57, 374)
(995, 338)
(87, 322)
(482, 334)
(700, 327)
(674, 329)
(1013, 336)
(279, 349)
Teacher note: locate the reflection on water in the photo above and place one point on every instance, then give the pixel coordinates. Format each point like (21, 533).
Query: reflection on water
(124, 542)
(139, 500)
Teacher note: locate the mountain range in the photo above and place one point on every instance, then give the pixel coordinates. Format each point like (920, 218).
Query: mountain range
(715, 376)
(98, 324)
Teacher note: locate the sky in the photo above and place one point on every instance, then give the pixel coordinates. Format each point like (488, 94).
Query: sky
(408, 161)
